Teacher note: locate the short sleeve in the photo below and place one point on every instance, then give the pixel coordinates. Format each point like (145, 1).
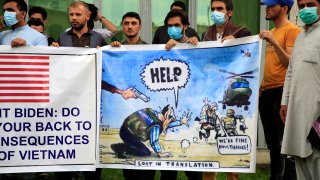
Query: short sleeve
(291, 36)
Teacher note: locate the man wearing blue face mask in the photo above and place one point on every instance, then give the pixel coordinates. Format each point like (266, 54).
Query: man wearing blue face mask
(300, 105)
(161, 36)
(223, 28)
(15, 12)
(177, 23)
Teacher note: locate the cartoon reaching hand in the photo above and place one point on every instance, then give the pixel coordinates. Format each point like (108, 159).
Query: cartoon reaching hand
(127, 94)
(186, 116)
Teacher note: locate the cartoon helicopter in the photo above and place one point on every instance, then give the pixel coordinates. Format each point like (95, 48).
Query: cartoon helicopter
(238, 91)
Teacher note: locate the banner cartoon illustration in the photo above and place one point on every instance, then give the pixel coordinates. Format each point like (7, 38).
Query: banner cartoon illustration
(190, 108)
(48, 109)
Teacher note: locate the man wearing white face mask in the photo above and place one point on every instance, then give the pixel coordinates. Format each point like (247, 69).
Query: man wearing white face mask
(300, 105)
(15, 12)
(223, 28)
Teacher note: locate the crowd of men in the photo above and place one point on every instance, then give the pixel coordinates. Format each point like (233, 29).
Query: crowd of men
(289, 105)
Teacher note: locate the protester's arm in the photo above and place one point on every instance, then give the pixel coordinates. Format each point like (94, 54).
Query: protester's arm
(170, 44)
(194, 40)
(42, 41)
(106, 23)
(283, 53)
(115, 44)
(286, 94)
(17, 42)
(2, 23)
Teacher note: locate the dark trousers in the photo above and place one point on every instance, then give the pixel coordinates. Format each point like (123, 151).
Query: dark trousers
(134, 144)
(172, 175)
(131, 174)
(269, 108)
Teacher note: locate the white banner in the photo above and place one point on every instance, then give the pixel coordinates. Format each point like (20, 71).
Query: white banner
(48, 109)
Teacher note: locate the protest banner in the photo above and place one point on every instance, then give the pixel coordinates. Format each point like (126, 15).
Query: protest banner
(48, 109)
(191, 108)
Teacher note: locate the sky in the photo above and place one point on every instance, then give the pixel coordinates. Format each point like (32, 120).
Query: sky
(123, 70)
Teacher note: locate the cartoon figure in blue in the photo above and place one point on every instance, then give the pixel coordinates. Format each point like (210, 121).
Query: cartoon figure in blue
(146, 125)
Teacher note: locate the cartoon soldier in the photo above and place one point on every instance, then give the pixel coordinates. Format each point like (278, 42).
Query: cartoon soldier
(209, 120)
(230, 123)
(146, 125)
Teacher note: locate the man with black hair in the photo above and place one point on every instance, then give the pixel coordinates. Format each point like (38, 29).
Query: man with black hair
(280, 42)
(38, 13)
(20, 34)
(161, 35)
(39, 26)
(223, 28)
(131, 25)
(177, 23)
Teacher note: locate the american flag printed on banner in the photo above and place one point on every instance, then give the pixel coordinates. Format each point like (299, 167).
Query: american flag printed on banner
(24, 79)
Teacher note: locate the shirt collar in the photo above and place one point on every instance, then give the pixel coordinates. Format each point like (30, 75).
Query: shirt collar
(88, 32)
(21, 28)
(312, 27)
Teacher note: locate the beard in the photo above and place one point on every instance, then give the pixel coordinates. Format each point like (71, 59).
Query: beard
(275, 16)
(77, 26)
(132, 35)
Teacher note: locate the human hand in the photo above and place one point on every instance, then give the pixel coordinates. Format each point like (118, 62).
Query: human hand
(267, 35)
(17, 42)
(164, 154)
(127, 94)
(55, 44)
(115, 44)
(170, 44)
(227, 38)
(99, 16)
(193, 40)
(283, 113)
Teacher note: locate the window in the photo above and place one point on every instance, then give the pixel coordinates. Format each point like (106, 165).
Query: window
(246, 13)
(113, 10)
(240, 85)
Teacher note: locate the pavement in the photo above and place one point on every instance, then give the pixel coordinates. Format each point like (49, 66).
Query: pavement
(263, 157)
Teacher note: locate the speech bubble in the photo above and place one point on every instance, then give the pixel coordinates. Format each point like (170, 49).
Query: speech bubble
(234, 145)
(166, 74)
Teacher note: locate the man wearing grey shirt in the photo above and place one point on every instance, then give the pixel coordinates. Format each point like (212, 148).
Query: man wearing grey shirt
(300, 106)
